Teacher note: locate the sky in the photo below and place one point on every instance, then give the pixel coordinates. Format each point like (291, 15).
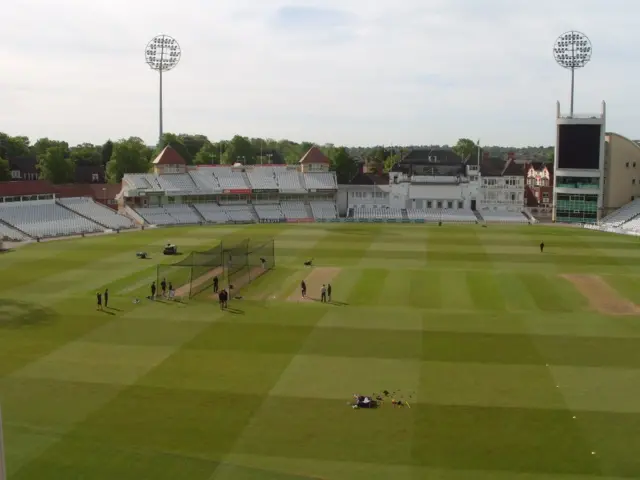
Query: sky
(348, 72)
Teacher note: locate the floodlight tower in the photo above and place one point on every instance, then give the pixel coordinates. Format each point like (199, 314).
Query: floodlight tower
(572, 50)
(162, 54)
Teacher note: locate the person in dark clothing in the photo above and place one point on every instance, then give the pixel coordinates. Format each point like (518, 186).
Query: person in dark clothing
(329, 292)
(221, 299)
(303, 288)
(225, 298)
(215, 284)
(542, 247)
(153, 290)
(99, 300)
(163, 286)
(106, 298)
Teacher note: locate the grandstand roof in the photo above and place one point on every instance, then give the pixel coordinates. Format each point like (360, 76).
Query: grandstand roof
(314, 155)
(168, 156)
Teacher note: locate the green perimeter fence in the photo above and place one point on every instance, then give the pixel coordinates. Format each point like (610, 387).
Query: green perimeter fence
(237, 264)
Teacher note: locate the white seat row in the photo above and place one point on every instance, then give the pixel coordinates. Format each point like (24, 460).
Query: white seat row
(45, 218)
(622, 215)
(156, 216)
(290, 181)
(320, 181)
(503, 216)
(373, 213)
(293, 210)
(239, 213)
(442, 215)
(212, 212)
(262, 178)
(177, 182)
(323, 209)
(183, 214)
(100, 214)
(143, 181)
(229, 179)
(11, 233)
(205, 181)
(268, 211)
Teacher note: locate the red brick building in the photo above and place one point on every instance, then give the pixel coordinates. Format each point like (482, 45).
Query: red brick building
(539, 185)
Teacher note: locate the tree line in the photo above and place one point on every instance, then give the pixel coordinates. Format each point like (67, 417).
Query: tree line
(56, 160)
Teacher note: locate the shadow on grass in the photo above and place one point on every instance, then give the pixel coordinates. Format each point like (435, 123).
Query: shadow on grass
(332, 302)
(234, 311)
(15, 314)
(107, 312)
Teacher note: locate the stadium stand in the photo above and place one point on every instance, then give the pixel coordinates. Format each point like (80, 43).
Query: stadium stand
(7, 232)
(361, 212)
(212, 212)
(293, 210)
(177, 183)
(320, 181)
(45, 218)
(269, 211)
(144, 181)
(205, 181)
(102, 215)
(239, 213)
(184, 214)
(229, 179)
(442, 215)
(503, 217)
(324, 209)
(262, 178)
(621, 216)
(156, 216)
(289, 181)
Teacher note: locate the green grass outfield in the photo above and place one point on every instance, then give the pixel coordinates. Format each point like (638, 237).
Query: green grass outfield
(516, 373)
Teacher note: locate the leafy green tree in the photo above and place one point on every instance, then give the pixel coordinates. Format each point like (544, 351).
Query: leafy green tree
(55, 166)
(192, 144)
(390, 161)
(209, 154)
(129, 156)
(43, 144)
(86, 154)
(240, 150)
(343, 164)
(106, 151)
(550, 156)
(465, 148)
(13, 147)
(5, 170)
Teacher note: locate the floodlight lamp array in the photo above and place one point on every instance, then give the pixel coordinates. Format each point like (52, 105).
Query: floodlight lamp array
(163, 53)
(572, 50)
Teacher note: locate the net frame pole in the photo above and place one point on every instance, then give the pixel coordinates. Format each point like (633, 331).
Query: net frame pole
(3, 467)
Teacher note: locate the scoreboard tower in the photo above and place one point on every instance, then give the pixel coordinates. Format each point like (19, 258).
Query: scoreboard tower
(579, 167)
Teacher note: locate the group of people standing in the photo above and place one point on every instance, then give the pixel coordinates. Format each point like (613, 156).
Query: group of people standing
(166, 289)
(325, 291)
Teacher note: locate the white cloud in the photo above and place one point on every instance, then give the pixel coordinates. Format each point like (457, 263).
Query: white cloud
(401, 71)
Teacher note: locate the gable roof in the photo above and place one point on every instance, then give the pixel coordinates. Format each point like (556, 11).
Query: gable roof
(314, 155)
(513, 169)
(168, 156)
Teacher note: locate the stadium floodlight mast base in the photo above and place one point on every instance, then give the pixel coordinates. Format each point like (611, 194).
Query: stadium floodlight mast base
(162, 54)
(572, 50)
